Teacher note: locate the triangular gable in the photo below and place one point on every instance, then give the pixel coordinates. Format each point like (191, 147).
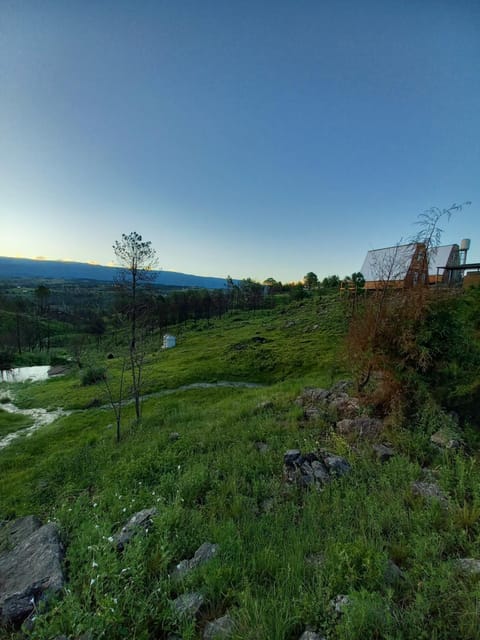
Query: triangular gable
(389, 264)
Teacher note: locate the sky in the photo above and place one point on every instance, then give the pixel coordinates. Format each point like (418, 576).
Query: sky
(245, 138)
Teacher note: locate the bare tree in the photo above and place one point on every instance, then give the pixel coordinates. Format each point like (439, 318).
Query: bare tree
(137, 258)
(116, 403)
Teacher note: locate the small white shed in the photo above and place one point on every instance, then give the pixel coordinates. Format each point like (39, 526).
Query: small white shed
(169, 341)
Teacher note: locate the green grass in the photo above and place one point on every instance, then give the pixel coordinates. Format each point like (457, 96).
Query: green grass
(12, 422)
(284, 553)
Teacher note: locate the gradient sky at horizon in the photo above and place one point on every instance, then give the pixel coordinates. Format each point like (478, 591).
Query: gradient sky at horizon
(254, 139)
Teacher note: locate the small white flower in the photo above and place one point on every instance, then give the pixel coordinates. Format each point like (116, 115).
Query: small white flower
(94, 504)
(96, 526)
(114, 601)
(153, 493)
(124, 509)
(92, 581)
(94, 564)
(110, 538)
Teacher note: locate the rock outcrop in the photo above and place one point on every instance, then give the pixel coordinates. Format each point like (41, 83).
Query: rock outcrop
(30, 567)
(313, 469)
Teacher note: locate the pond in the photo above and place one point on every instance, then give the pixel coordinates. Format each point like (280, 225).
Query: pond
(22, 374)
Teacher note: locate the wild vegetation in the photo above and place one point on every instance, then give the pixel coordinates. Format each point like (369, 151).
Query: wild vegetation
(210, 460)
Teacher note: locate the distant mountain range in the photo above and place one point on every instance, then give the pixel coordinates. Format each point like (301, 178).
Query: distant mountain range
(23, 268)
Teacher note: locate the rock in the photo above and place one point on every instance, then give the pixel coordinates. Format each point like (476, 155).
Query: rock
(203, 554)
(383, 452)
(333, 403)
(344, 406)
(141, 520)
(13, 532)
(359, 426)
(267, 505)
(262, 447)
(393, 574)
(267, 405)
(292, 457)
(315, 560)
(174, 436)
(311, 469)
(336, 465)
(468, 566)
(310, 635)
(31, 570)
(446, 439)
(188, 604)
(218, 629)
(430, 491)
(340, 603)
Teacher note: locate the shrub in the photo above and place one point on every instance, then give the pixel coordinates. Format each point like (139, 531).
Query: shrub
(92, 375)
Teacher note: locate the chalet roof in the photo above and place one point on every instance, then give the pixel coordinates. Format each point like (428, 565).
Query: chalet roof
(390, 263)
(443, 256)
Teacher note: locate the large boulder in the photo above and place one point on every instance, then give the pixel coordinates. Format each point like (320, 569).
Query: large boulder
(30, 567)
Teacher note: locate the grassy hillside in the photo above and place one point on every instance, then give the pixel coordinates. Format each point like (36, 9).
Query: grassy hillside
(284, 553)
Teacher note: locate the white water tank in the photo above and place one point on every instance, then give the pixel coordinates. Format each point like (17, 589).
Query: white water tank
(169, 341)
(465, 244)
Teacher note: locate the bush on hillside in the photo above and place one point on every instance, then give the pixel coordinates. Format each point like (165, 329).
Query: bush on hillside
(92, 375)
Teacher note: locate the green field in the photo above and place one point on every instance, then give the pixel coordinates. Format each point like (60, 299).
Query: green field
(284, 553)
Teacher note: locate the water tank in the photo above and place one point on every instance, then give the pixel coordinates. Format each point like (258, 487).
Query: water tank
(169, 341)
(465, 244)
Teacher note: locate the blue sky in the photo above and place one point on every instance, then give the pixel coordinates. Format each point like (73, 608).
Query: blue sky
(254, 139)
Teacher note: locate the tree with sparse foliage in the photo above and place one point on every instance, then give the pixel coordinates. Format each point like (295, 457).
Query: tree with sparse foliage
(137, 259)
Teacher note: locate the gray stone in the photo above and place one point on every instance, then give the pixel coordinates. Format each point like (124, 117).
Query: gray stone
(310, 635)
(446, 439)
(383, 452)
(203, 554)
(340, 603)
(292, 457)
(174, 436)
(334, 403)
(138, 522)
(344, 406)
(320, 472)
(359, 426)
(311, 469)
(13, 532)
(31, 571)
(430, 491)
(188, 604)
(469, 566)
(218, 629)
(262, 447)
(336, 465)
(266, 405)
(393, 574)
